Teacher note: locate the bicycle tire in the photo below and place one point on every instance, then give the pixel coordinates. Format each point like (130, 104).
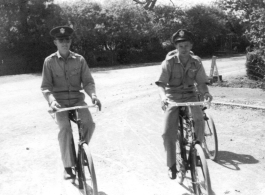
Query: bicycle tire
(88, 174)
(210, 142)
(199, 172)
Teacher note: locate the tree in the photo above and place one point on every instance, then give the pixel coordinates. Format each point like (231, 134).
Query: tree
(208, 23)
(252, 13)
(148, 4)
(24, 28)
(20, 19)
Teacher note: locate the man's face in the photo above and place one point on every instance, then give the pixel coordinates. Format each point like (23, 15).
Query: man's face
(63, 44)
(184, 48)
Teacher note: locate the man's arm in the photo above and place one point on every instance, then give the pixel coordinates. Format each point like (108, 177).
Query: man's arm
(161, 83)
(202, 80)
(162, 94)
(87, 79)
(89, 84)
(46, 85)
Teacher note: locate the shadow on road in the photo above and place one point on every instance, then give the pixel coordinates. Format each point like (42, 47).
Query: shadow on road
(231, 160)
(81, 191)
(190, 188)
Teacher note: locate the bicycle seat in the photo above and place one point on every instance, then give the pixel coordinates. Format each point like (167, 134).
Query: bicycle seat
(182, 111)
(72, 115)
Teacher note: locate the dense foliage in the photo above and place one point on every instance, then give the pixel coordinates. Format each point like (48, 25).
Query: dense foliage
(252, 15)
(118, 32)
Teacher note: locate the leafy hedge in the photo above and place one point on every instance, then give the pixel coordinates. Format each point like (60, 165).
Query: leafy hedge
(118, 32)
(255, 65)
(252, 15)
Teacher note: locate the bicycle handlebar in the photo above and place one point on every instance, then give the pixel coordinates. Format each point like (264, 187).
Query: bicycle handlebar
(72, 108)
(190, 103)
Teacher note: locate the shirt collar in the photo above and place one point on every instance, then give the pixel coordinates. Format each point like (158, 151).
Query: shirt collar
(72, 55)
(192, 59)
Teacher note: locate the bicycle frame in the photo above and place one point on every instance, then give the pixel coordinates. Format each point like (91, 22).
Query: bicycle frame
(189, 137)
(74, 116)
(191, 150)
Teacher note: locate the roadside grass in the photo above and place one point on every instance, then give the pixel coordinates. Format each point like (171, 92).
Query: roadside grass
(240, 82)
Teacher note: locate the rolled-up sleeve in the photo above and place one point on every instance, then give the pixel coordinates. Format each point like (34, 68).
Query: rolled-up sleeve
(164, 73)
(201, 79)
(87, 79)
(47, 83)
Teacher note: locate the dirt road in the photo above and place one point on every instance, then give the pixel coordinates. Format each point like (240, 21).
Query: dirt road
(127, 145)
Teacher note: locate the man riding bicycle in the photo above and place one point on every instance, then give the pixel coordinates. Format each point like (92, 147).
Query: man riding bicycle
(180, 71)
(64, 74)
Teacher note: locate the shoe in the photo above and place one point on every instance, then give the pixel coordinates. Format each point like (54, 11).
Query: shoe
(68, 173)
(172, 172)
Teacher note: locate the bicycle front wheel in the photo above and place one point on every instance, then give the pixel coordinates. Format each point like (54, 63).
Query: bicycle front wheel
(199, 172)
(210, 142)
(88, 175)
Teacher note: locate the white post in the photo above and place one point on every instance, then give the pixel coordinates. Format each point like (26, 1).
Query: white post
(212, 67)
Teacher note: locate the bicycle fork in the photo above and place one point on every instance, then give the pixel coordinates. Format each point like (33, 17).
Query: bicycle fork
(80, 155)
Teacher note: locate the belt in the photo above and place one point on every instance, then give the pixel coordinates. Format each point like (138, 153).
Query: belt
(65, 91)
(181, 92)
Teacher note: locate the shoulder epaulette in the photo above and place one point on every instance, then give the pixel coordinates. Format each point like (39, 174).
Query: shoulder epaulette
(171, 54)
(50, 56)
(75, 54)
(196, 57)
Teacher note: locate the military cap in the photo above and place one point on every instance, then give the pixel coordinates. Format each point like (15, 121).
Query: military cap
(61, 32)
(182, 35)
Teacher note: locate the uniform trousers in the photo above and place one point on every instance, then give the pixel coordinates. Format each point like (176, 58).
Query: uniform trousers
(170, 134)
(65, 131)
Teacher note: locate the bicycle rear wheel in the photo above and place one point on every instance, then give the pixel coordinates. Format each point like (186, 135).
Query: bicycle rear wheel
(210, 142)
(88, 175)
(199, 172)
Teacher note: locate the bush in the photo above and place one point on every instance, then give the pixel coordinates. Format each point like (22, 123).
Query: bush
(255, 65)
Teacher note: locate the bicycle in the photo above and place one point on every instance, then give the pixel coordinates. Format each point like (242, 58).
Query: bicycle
(210, 142)
(84, 162)
(191, 150)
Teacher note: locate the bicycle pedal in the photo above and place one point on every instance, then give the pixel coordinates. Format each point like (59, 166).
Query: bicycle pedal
(198, 162)
(181, 176)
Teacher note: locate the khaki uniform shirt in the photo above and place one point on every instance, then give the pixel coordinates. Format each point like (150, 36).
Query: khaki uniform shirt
(62, 79)
(180, 79)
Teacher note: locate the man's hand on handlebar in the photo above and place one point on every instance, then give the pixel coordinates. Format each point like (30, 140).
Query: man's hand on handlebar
(96, 101)
(208, 97)
(55, 105)
(164, 103)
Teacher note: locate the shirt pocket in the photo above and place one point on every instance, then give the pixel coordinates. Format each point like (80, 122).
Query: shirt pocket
(192, 73)
(176, 77)
(58, 78)
(58, 74)
(75, 77)
(75, 72)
